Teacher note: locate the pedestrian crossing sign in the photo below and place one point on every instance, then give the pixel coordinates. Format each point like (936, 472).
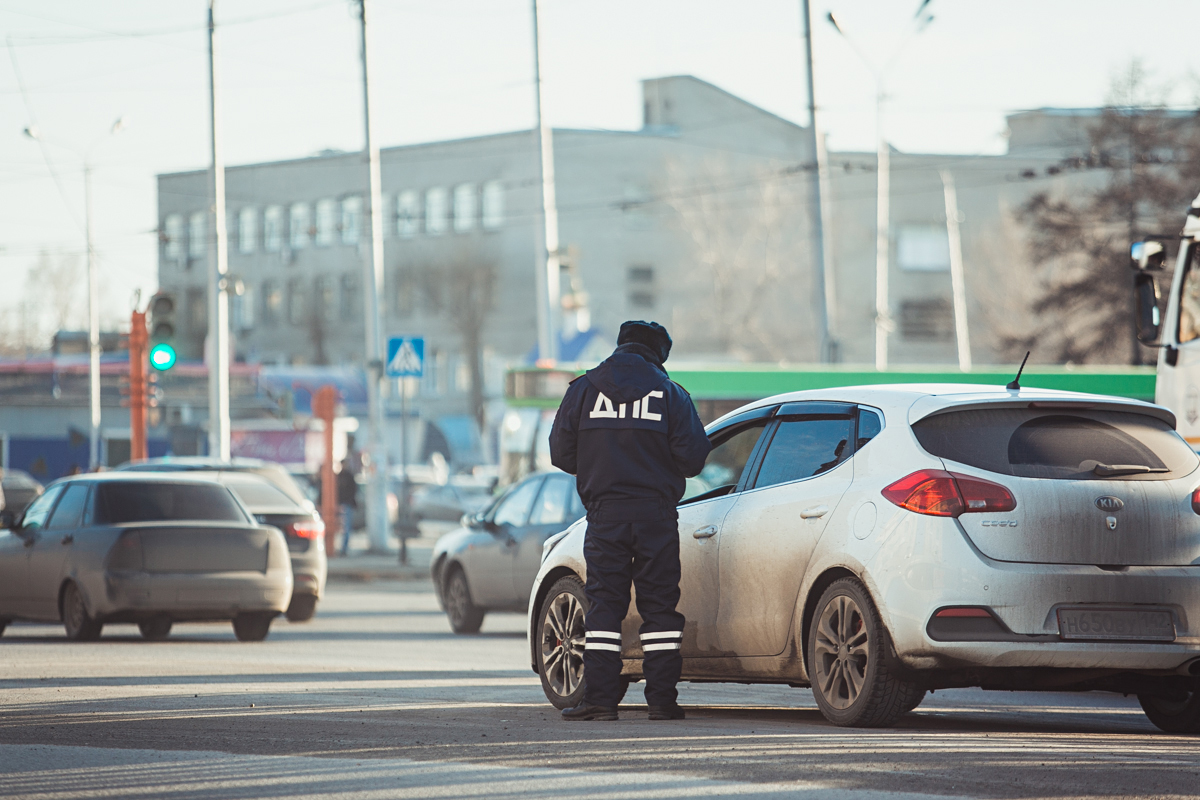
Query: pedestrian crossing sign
(406, 357)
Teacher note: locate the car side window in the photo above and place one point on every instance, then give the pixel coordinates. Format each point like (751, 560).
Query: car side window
(514, 509)
(69, 511)
(869, 426)
(1189, 301)
(804, 448)
(552, 504)
(726, 462)
(35, 515)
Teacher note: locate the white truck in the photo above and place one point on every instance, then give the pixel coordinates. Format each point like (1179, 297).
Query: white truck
(1177, 332)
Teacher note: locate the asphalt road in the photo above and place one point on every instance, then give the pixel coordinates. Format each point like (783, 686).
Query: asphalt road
(375, 698)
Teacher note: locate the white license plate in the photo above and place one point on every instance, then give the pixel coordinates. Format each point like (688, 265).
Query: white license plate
(1127, 624)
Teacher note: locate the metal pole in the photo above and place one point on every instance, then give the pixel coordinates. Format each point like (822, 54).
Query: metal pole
(403, 513)
(883, 317)
(547, 276)
(218, 260)
(377, 533)
(827, 251)
(820, 271)
(93, 325)
(958, 285)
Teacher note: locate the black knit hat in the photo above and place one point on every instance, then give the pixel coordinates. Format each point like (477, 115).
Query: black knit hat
(650, 334)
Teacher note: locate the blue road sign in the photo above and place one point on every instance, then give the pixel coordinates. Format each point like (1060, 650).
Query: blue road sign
(406, 357)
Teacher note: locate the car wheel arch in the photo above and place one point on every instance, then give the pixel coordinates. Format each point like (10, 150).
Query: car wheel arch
(535, 606)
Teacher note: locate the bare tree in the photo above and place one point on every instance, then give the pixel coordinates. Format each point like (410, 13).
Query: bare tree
(1150, 158)
(741, 227)
(463, 289)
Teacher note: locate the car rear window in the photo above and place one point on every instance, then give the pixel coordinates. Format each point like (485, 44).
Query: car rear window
(260, 494)
(129, 501)
(1063, 444)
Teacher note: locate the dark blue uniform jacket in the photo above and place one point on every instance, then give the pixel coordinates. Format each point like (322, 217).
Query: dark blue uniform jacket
(629, 433)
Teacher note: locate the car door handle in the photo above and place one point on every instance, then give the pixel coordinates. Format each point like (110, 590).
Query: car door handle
(68, 538)
(705, 532)
(814, 512)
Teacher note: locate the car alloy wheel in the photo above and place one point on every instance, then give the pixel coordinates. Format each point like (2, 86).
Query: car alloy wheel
(852, 678)
(80, 625)
(560, 632)
(464, 615)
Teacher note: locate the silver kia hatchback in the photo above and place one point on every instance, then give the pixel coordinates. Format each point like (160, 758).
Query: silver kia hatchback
(876, 543)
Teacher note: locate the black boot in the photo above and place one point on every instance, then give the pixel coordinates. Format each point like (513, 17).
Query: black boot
(667, 712)
(585, 711)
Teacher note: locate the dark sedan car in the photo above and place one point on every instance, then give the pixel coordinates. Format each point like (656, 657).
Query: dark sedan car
(489, 564)
(148, 549)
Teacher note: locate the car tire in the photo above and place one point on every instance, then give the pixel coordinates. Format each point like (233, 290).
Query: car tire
(3, 625)
(1173, 716)
(464, 615)
(917, 699)
(155, 629)
(560, 641)
(852, 681)
(252, 627)
(80, 625)
(302, 608)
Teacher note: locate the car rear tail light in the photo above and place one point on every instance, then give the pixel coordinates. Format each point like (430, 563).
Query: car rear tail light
(307, 529)
(938, 493)
(1196, 501)
(126, 553)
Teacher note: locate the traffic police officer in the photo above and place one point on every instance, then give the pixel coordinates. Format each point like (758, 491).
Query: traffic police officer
(631, 435)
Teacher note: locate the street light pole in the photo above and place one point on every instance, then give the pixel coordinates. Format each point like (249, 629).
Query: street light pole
(821, 262)
(218, 273)
(546, 282)
(377, 520)
(93, 323)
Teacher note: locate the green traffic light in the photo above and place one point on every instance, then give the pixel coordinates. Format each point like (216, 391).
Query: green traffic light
(162, 357)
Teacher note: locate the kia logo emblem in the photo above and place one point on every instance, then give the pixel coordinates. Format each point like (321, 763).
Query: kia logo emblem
(1109, 503)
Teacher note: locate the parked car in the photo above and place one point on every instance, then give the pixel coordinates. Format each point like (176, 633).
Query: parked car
(301, 526)
(490, 562)
(275, 473)
(19, 489)
(148, 549)
(879, 542)
(449, 502)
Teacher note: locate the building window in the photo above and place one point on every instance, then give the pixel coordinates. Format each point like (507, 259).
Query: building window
(243, 309)
(464, 207)
(493, 205)
(923, 248)
(927, 320)
(436, 208)
(408, 212)
(351, 301)
(198, 235)
(248, 230)
(173, 237)
(326, 222)
(325, 299)
(272, 303)
(273, 229)
(299, 224)
(295, 302)
(639, 284)
(352, 215)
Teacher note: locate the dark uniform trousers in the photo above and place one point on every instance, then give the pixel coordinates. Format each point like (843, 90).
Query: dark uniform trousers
(632, 543)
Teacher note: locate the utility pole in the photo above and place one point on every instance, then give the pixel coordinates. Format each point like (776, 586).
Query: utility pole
(218, 273)
(548, 269)
(958, 285)
(823, 277)
(138, 386)
(93, 324)
(377, 521)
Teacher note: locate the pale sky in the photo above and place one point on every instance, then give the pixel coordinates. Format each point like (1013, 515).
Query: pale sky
(454, 68)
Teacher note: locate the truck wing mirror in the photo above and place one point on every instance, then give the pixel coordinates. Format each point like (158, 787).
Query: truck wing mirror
(1148, 315)
(1148, 255)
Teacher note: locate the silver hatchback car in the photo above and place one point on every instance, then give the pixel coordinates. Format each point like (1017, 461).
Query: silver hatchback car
(879, 542)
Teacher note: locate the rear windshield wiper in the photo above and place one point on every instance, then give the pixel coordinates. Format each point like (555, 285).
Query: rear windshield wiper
(1113, 470)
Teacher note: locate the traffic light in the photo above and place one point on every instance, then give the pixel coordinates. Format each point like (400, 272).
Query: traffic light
(162, 331)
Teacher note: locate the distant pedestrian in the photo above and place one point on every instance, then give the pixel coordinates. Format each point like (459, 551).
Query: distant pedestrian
(632, 436)
(347, 497)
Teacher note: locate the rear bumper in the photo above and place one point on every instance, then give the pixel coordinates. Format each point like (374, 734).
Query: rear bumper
(309, 573)
(927, 563)
(218, 595)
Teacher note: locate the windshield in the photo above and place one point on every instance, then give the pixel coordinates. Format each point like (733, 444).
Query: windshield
(1062, 444)
(128, 501)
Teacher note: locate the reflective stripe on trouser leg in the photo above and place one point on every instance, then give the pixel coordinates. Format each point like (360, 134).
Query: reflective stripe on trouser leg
(603, 640)
(607, 548)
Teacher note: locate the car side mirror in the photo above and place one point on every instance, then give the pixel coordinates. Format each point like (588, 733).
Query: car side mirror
(1149, 320)
(1148, 255)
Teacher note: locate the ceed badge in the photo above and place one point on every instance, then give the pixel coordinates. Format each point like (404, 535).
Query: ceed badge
(1109, 503)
